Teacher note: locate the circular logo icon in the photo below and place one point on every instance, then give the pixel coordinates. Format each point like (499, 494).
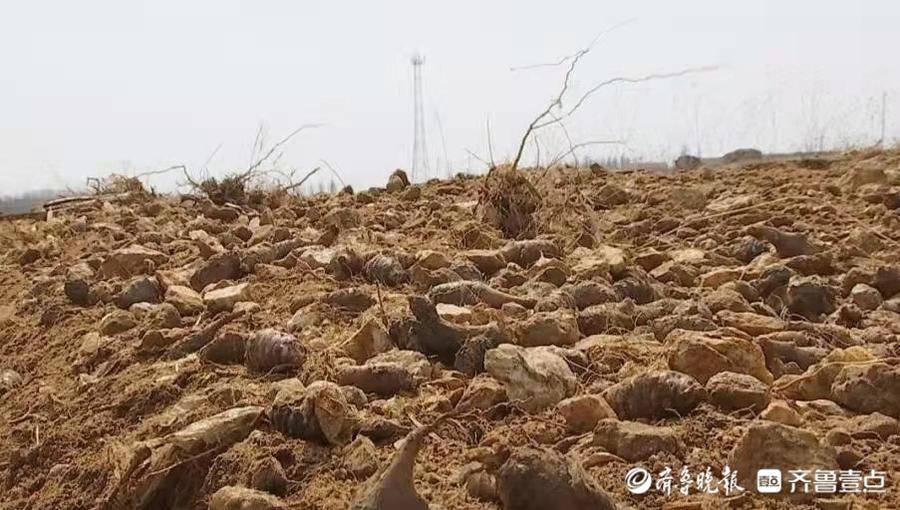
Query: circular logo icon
(638, 480)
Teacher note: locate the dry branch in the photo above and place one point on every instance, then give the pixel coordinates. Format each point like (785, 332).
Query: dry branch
(573, 60)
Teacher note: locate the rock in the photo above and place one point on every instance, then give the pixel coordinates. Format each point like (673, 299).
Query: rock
(304, 318)
(687, 162)
(78, 285)
(589, 293)
(482, 393)
(539, 479)
(457, 314)
(718, 277)
(611, 195)
(730, 203)
(385, 270)
(79, 292)
(726, 299)
(656, 394)
(228, 347)
(482, 486)
(862, 175)
(689, 198)
(601, 319)
(810, 297)
(186, 300)
(223, 266)
(397, 181)
(639, 287)
(487, 261)
(817, 382)
(787, 244)
(268, 475)
(742, 155)
(388, 374)
(838, 437)
(887, 281)
(772, 278)
(875, 424)
(635, 441)
(650, 259)
(29, 256)
(703, 356)
(892, 305)
(361, 457)
(536, 376)
(143, 289)
(732, 391)
(224, 299)
(675, 273)
(559, 327)
(392, 488)
(116, 322)
(582, 412)
(206, 243)
(514, 311)
(865, 297)
(596, 262)
(320, 412)
(767, 444)
(130, 261)
(161, 316)
(369, 340)
(467, 292)
(526, 252)
(432, 260)
(242, 498)
(554, 300)
(317, 257)
(354, 300)
(751, 323)
(780, 412)
(469, 359)
(868, 388)
(9, 380)
(271, 349)
(163, 460)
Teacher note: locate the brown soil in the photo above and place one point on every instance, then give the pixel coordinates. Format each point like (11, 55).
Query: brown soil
(63, 428)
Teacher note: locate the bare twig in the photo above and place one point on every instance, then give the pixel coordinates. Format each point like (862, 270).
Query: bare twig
(257, 142)
(540, 122)
(479, 158)
(624, 79)
(301, 181)
(210, 158)
(160, 172)
(573, 148)
(333, 171)
(490, 144)
(553, 104)
(384, 318)
(274, 148)
(565, 59)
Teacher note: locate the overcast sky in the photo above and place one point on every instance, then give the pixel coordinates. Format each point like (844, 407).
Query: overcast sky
(96, 86)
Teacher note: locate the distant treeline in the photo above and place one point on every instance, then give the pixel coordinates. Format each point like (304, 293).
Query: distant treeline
(27, 202)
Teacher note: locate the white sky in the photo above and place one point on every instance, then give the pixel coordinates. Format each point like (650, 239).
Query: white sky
(96, 86)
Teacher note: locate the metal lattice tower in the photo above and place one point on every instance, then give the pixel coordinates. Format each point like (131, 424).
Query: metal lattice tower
(420, 168)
